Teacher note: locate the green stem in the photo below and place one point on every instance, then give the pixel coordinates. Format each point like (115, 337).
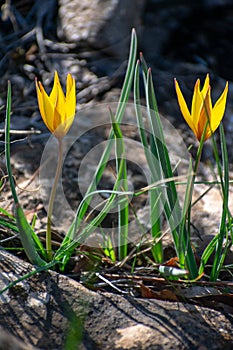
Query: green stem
(198, 158)
(51, 200)
(195, 169)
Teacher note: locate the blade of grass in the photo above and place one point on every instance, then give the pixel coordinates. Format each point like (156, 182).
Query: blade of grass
(155, 211)
(207, 253)
(160, 149)
(159, 141)
(157, 249)
(28, 237)
(119, 115)
(171, 204)
(156, 230)
(27, 275)
(8, 224)
(185, 213)
(105, 156)
(7, 220)
(123, 211)
(220, 253)
(6, 213)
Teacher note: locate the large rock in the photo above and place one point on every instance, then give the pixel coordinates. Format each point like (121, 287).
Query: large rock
(102, 24)
(49, 311)
(9, 342)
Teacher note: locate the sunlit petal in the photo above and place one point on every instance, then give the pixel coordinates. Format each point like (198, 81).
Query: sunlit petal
(61, 105)
(183, 107)
(69, 84)
(40, 98)
(206, 85)
(205, 117)
(56, 85)
(53, 94)
(71, 101)
(45, 106)
(219, 109)
(197, 103)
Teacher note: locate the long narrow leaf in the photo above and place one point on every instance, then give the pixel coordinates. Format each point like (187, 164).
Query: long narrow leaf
(157, 249)
(119, 115)
(220, 253)
(25, 230)
(105, 156)
(171, 204)
(123, 211)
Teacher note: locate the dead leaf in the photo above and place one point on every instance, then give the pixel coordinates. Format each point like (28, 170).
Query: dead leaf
(164, 294)
(174, 262)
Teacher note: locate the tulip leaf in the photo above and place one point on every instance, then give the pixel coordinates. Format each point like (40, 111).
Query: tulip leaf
(123, 210)
(28, 237)
(71, 235)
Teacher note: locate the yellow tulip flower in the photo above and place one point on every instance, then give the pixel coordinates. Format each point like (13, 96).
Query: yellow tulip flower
(202, 110)
(56, 109)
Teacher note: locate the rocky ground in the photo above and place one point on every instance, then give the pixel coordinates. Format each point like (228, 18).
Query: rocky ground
(91, 39)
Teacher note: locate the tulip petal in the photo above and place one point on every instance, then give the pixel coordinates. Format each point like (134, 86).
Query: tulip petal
(57, 119)
(58, 100)
(206, 85)
(60, 105)
(53, 94)
(205, 116)
(65, 107)
(219, 109)
(40, 98)
(197, 103)
(71, 100)
(69, 84)
(199, 96)
(45, 106)
(183, 107)
(56, 84)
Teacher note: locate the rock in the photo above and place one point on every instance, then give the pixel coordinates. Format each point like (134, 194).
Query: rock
(102, 24)
(207, 212)
(52, 311)
(9, 342)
